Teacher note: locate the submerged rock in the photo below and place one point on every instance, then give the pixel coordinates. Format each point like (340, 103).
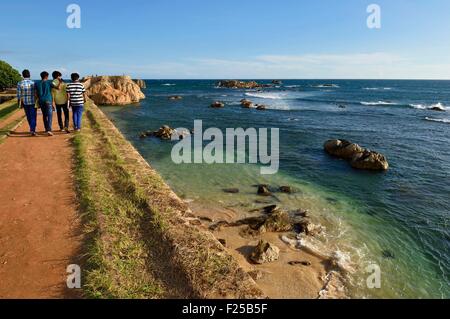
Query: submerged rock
(231, 190)
(175, 97)
(387, 254)
(261, 107)
(265, 252)
(286, 189)
(263, 190)
(246, 103)
(217, 105)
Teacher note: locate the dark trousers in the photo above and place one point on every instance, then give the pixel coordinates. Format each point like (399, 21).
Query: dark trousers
(47, 115)
(31, 113)
(59, 110)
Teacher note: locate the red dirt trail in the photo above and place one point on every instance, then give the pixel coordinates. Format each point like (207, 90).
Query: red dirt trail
(39, 222)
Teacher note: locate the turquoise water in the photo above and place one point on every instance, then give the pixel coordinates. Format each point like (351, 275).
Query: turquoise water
(398, 219)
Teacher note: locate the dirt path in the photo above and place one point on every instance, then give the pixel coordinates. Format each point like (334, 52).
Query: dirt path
(39, 224)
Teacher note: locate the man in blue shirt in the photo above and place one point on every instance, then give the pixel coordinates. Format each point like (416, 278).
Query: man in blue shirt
(44, 93)
(26, 98)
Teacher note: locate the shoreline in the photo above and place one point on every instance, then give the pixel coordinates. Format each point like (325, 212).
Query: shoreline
(320, 279)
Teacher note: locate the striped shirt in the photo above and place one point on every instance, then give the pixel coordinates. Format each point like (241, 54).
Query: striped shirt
(26, 91)
(76, 90)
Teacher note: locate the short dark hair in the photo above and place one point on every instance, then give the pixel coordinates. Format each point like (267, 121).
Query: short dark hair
(44, 75)
(75, 76)
(56, 74)
(26, 74)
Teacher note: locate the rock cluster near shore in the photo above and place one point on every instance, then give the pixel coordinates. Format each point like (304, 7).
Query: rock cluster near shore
(271, 219)
(165, 133)
(113, 90)
(359, 157)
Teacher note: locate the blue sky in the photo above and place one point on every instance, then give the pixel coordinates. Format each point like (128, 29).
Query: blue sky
(230, 39)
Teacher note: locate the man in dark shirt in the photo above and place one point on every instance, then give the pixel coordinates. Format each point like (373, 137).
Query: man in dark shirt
(44, 93)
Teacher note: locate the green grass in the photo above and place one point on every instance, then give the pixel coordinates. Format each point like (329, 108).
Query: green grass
(7, 109)
(116, 264)
(4, 131)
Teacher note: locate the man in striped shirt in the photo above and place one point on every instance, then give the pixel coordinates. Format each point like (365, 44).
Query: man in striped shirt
(76, 96)
(26, 98)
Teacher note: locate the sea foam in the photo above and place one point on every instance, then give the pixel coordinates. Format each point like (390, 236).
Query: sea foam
(270, 96)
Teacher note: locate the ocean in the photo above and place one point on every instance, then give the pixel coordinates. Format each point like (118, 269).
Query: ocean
(398, 220)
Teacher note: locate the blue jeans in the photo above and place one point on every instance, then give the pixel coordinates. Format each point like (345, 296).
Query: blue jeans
(77, 112)
(47, 114)
(31, 113)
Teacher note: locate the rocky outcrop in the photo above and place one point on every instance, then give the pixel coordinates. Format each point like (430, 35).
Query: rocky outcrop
(359, 157)
(113, 90)
(234, 84)
(175, 97)
(265, 252)
(140, 83)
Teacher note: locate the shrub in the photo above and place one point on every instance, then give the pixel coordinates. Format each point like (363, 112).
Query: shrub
(8, 76)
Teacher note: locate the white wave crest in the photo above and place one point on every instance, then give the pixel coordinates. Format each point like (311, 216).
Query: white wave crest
(437, 120)
(428, 107)
(378, 103)
(377, 89)
(168, 84)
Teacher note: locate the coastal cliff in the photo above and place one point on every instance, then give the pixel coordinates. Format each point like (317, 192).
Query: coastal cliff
(113, 90)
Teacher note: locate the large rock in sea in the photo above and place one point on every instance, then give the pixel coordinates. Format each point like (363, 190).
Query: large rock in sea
(234, 84)
(358, 156)
(342, 149)
(265, 252)
(370, 161)
(113, 90)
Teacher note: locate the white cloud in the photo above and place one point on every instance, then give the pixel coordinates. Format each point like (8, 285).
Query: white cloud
(326, 66)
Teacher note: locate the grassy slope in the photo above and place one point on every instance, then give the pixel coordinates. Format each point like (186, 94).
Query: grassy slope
(7, 109)
(137, 243)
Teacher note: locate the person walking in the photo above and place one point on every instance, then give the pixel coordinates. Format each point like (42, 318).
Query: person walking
(44, 94)
(60, 101)
(76, 94)
(26, 99)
